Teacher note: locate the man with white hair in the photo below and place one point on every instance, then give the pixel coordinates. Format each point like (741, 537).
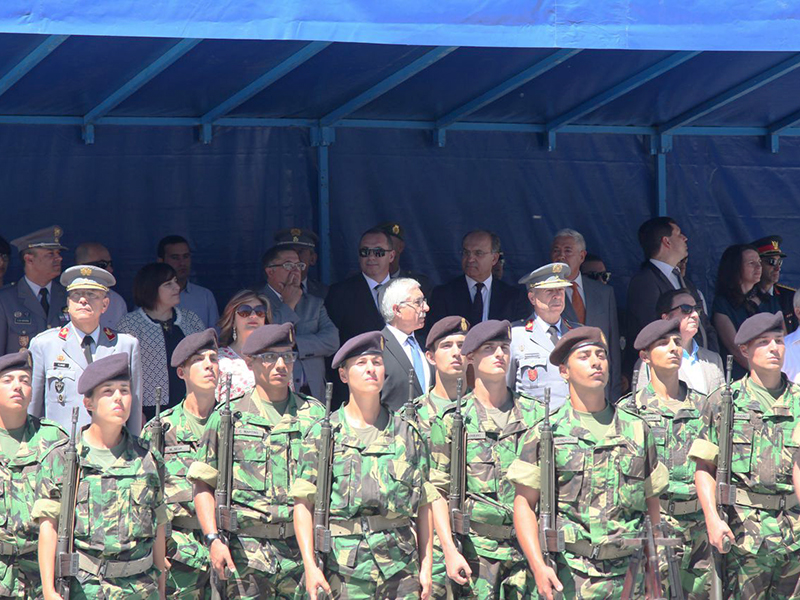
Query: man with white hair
(589, 302)
(791, 361)
(403, 308)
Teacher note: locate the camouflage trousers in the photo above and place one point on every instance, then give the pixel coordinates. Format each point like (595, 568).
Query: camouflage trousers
(694, 556)
(775, 576)
(19, 577)
(440, 580)
(578, 584)
(136, 587)
(265, 569)
(495, 579)
(187, 583)
(402, 586)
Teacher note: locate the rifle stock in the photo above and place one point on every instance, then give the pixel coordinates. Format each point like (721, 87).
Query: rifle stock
(322, 505)
(226, 518)
(550, 539)
(66, 566)
(726, 493)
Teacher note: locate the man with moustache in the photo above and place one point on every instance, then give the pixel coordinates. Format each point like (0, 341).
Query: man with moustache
(97, 255)
(304, 242)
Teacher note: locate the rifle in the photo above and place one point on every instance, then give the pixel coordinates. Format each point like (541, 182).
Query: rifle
(409, 410)
(647, 540)
(226, 517)
(726, 493)
(673, 571)
(66, 566)
(550, 539)
(634, 382)
(157, 437)
(322, 505)
(459, 520)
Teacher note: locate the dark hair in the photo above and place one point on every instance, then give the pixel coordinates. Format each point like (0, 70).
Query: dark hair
(5, 248)
(665, 300)
(593, 258)
(381, 231)
(651, 232)
(272, 254)
(495, 239)
(148, 280)
(729, 274)
(168, 241)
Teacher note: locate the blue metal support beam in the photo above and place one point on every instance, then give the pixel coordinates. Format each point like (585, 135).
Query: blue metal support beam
(322, 138)
(600, 100)
(24, 66)
(387, 84)
(661, 183)
(779, 127)
(288, 65)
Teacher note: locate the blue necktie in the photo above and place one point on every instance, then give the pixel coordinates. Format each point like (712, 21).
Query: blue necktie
(416, 359)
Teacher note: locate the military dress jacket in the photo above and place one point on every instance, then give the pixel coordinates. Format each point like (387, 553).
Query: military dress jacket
(22, 317)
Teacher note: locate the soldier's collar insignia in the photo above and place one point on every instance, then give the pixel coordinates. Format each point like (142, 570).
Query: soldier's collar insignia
(109, 334)
(529, 325)
(63, 333)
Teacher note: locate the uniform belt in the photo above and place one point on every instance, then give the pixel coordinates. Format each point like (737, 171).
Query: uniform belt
(679, 508)
(599, 551)
(366, 525)
(185, 523)
(7, 549)
(766, 501)
(495, 532)
(111, 569)
(275, 531)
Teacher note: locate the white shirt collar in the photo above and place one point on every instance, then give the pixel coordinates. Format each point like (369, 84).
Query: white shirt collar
(36, 287)
(80, 335)
(486, 284)
(275, 292)
(665, 268)
(401, 336)
(372, 283)
(544, 325)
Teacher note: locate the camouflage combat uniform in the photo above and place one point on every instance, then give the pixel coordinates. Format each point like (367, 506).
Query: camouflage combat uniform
(602, 486)
(376, 491)
(265, 454)
(19, 567)
(764, 561)
(117, 513)
(675, 424)
(188, 576)
(499, 569)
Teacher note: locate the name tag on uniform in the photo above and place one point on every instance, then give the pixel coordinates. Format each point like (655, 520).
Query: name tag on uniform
(477, 436)
(250, 431)
(567, 439)
(22, 320)
(651, 418)
(177, 448)
(741, 416)
(61, 365)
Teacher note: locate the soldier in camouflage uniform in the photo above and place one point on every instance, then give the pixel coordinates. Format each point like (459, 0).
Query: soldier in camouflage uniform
(379, 489)
(269, 424)
(25, 441)
(195, 359)
(673, 413)
(607, 475)
(120, 513)
(495, 418)
(765, 521)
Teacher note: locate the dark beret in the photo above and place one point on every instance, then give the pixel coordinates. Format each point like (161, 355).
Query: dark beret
(269, 336)
(15, 360)
(655, 331)
(758, 324)
(114, 366)
(367, 343)
(488, 331)
(193, 344)
(574, 339)
(444, 327)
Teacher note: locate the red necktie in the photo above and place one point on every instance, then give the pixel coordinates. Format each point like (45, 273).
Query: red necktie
(578, 305)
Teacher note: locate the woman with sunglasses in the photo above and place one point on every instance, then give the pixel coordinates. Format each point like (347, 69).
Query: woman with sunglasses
(246, 311)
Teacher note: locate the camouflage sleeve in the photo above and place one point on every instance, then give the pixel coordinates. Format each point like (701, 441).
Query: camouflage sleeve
(525, 468)
(428, 493)
(440, 453)
(49, 479)
(304, 485)
(706, 445)
(162, 514)
(146, 432)
(204, 468)
(656, 472)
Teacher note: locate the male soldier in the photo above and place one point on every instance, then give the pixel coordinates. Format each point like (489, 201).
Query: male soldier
(672, 411)
(119, 513)
(765, 516)
(495, 418)
(97, 255)
(60, 356)
(769, 249)
(607, 476)
(195, 359)
(268, 426)
(24, 442)
(532, 341)
(304, 242)
(35, 302)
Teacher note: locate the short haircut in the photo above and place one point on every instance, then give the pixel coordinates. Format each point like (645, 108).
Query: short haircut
(651, 232)
(273, 253)
(379, 231)
(593, 258)
(168, 241)
(148, 280)
(495, 239)
(84, 249)
(395, 292)
(665, 300)
(576, 235)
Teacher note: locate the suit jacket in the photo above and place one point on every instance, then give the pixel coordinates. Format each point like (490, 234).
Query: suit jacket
(58, 363)
(352, 308)
(315, 334)
(396, 364)
(425, 284)
(452, 298)
(710, 366)
(22, 316)
(315, 288)
(601, 311)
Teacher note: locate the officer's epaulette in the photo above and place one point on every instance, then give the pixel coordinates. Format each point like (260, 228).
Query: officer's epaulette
(570, 324)
(785, 287)
(62, 334)
(109, 334)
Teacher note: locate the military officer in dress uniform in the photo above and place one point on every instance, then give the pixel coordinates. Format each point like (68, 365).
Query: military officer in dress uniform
(35, 302)
(533, 340)
(769, 249)
(304, 242)
(61, 355)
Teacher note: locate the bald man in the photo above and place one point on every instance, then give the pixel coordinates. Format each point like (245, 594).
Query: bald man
(95, 254)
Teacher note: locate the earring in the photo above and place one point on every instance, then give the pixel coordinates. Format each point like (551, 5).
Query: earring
(234, 334)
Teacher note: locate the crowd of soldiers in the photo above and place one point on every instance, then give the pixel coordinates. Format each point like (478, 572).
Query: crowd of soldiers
(479, 487)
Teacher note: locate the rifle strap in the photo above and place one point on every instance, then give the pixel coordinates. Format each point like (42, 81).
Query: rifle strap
(609, 551)
(276, 531)
(495, 532)
(679, 508)
(185, 523)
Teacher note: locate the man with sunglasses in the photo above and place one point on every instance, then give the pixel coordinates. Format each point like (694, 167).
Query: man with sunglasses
(60, 355)
(317, 336)
(97, 255)
(769, 250)
(593, 267)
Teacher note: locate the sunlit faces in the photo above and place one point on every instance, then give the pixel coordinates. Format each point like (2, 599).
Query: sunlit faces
(411, 311)
(278, 276)
(566, 249)
(86, 306)
(547, 301)
(491, 359)
(678, 243)
(201, 370)
(110, 402)
(586, 368)
(363, 374)
(766, 352)
(751, 268)
(372, 265)
(446, 356)
(169, 293)
(274, 367)
(690, 321)
(43, 263)
(665, 353)
(15, 389)
(249, 315)
(477, 257)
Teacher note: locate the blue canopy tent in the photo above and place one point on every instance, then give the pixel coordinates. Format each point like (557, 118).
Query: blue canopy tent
(225, 122)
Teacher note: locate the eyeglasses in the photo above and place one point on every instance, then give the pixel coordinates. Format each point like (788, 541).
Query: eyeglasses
(774, 261)
(418, 303)
(272, 357)
(245, 310)
(103, 264)
(290, 266)
(91, 296)
(688, 309)
(376, 252)
(477, 253)
(603, 276)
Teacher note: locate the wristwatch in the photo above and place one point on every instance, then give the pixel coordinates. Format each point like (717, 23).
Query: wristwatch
(210, 537)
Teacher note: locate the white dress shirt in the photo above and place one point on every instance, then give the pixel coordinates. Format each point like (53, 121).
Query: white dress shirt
(579, 282)
(666, 269)
(402, 339)
(372, 285)
(486, 292)
(36, 288)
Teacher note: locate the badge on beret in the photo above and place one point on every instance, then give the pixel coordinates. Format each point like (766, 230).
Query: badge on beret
(603, 339)
(23, 341)
(557, 268)
(463, 324)
(396, 229)
(57, 233)
(86, 271)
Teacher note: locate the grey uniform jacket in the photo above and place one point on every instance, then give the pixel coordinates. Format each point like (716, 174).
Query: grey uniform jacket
(315, 334)
(530, 371)
(22, 316)
(58, 363)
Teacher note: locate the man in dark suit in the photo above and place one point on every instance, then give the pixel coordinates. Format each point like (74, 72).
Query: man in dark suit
(589, 302)
(403, 307)
(476, 295)
(394, 230)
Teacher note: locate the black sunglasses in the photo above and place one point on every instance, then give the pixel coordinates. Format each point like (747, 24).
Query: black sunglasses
(603, 276)
(103, 264)
(688, 309)
(245, 310)
(378, 252)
